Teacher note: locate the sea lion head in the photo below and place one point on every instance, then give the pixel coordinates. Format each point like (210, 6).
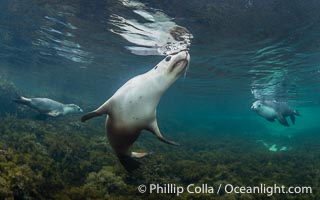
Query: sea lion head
(257, 105)
(173, 65)
(73, 108)
(263, 109)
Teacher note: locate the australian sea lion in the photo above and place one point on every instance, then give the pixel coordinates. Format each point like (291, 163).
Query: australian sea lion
(133, 107)
(272, 110)
(48, 107)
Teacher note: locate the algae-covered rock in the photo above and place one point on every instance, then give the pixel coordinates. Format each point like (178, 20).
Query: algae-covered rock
(5, 191)
(106, 181)
(61, 159)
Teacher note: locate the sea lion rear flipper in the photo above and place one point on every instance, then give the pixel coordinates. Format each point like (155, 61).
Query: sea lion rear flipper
(270, 119)
(282, 120)
(41, 117)
(89, 116)
(293, 119)
(140, 154)
(129, 163)
(22, 100)
(155, 130)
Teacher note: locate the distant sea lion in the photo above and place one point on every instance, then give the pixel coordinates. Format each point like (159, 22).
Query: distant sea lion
(272, 110)
(133, 107)
(49, 107)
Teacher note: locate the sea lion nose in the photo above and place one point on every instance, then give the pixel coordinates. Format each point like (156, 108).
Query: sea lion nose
(187, 54)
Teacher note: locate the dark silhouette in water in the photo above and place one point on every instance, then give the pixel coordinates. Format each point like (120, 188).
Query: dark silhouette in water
(271, 110)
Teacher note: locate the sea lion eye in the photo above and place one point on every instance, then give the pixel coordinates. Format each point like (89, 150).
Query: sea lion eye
(168, 58)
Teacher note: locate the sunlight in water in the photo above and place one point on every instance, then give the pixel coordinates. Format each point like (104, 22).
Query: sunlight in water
(159, 35)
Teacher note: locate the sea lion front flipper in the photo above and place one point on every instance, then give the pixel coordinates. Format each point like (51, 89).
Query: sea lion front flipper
(53, 113)
(155, 130)
(90, 115)
(293, 119)
(103, 109)
(282, 120)
(296, 112)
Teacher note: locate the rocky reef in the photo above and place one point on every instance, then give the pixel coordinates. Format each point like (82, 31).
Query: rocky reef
(63, 158)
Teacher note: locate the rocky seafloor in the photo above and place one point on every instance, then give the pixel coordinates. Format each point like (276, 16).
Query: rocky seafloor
(63, 158)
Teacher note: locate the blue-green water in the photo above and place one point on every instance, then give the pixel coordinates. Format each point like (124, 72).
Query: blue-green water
(75, 52)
